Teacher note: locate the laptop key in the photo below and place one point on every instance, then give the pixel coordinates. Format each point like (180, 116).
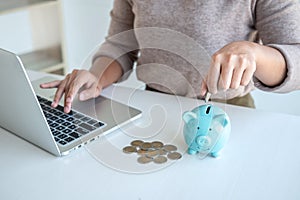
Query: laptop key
(53, 118)
(62, 142)
(72, 127)
(76, 121)
(98, 124)
(64, 116)
(55, 132)
(60, 121)
(67, 131)
(78, 116)
(85, 119)
(53, 125)
(74, 135)
(66, 123)
(87, 126)
(69, 139)
(92, 121)
(57, 113)
(48, 115)
(62, 136)
(81, 131)
(60, 128)
(70, 119)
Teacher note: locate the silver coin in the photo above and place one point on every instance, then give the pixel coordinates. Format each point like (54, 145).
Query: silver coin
(152, 153)
(162, 152)
(157, 145)
(142, 152)
(129, 149)
(170, 147)
(137, 143)
(160, 159)
(144, 159)
(146, 146)
(174, 156)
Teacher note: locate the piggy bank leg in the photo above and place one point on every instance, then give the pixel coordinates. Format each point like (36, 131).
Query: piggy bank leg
(215, 154)
(191, 151)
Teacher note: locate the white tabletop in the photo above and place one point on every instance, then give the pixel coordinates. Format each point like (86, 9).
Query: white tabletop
(260, 161)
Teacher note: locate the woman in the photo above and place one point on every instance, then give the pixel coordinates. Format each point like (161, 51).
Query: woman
(223, 29)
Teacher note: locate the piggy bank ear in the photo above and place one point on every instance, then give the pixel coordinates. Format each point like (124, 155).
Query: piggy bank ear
(187, 116)
(221, 119)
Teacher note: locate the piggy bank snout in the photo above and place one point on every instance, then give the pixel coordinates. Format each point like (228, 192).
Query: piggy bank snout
(203, 141)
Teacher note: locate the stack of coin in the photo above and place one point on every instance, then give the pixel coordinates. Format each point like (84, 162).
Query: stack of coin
(156, 151)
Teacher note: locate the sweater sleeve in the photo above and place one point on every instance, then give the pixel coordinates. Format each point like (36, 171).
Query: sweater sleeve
(278, 26)
(120, 44)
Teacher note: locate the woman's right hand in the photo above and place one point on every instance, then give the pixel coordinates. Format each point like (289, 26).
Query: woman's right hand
(70, 86)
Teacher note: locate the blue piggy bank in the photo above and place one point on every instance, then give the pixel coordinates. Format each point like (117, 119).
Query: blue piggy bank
(206, 130)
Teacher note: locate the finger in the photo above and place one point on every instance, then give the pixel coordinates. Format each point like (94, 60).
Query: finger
(92, 92)
(203, 89)
(59, 92)
(237, 77)
(225, 77)
(213, 77)
(227, 68)
(52, 84)
(247, 76)
(69, 94)
(70, 82)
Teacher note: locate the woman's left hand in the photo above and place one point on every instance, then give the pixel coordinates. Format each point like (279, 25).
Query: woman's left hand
(231, 67)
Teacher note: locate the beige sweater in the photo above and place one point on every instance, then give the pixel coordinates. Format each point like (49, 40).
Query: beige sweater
(173, 40)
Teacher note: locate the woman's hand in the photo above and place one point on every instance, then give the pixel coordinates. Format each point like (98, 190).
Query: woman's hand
(236, 63)
(231, 67)
(104, 72)
(70, 86)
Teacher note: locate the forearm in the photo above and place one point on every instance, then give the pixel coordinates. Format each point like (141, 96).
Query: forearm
(108, 70)
(270, 65)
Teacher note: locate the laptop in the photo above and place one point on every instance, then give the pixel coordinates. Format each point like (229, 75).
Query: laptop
(25, 111)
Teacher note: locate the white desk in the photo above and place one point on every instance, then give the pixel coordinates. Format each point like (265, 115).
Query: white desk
(261, 160)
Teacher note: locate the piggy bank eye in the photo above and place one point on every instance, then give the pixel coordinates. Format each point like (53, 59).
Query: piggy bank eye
(198, 127)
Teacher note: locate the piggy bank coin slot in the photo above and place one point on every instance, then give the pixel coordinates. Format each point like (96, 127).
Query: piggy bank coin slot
(208, 109)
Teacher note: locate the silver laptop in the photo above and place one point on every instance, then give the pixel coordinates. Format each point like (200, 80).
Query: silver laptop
(25, 111)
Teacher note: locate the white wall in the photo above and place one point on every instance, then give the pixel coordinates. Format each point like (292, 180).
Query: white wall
(12, 24)
(85, 26)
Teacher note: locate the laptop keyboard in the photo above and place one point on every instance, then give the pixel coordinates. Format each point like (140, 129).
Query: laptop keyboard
(67, 127)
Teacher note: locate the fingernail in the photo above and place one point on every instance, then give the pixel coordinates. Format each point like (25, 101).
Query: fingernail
(67, 109)
(69, 99)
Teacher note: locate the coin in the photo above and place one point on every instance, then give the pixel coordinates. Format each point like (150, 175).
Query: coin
(160, 159)
(146, 146)
(162, 152)
(174, 156)
(144, 160)
(137, 143)
(157, 144)
(129, 149)
(170, 147)
(142, 152)
(152, 153)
